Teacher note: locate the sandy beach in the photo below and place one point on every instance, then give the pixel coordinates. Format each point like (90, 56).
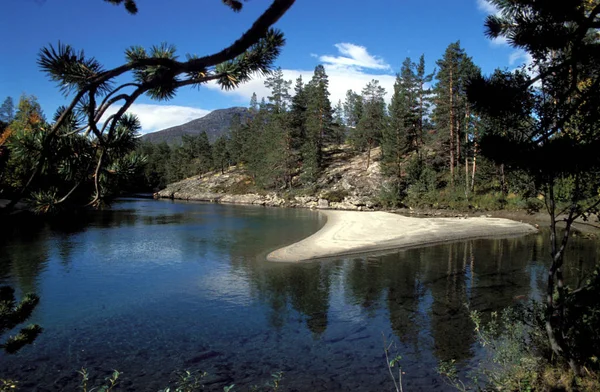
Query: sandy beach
(351, 232)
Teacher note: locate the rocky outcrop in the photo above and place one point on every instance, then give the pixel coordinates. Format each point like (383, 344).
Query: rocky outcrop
(345, 184)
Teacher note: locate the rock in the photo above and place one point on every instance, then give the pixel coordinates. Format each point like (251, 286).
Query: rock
(346, 174)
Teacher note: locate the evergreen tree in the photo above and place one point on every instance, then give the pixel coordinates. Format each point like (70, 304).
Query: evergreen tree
(7, 111)
(353, 108)
(194, 156)
(281, 147)
(450, 114)
(298, 113)
(254, 103)
(155, 174)
(423, 96)
(28, 120)
(237, 142)
(220, 153)
(280, 96)
(319, 119)
(410, 89)
(373, 121)
(547, 124)
(395, 141)
(155, 72)
(338, 125)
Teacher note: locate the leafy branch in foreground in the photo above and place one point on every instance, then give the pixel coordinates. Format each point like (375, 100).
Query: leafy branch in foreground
(98, 104)
(544, 120)
(391, 363)
(13, 314)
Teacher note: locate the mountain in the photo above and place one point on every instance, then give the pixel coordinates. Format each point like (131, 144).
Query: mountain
(215, 124)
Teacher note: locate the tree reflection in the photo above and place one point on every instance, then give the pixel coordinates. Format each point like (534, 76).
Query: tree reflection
(305, 288)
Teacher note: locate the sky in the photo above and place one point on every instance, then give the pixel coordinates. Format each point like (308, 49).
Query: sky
(356, 41)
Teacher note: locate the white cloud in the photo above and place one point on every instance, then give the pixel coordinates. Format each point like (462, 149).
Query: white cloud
(345, 73)
(520, 57)
(354, 56)
(485, 6)
(500, 41)
(156, 117)
(340, 81)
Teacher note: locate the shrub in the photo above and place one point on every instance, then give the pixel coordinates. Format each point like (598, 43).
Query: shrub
(335, 196)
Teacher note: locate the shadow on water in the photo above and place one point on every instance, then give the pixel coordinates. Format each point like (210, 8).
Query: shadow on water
(151, 287)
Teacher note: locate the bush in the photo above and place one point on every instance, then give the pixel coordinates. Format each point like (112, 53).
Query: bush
(519, 354)
(389, 197)
(335, 196)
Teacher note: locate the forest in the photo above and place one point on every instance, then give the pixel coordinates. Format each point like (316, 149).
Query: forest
(428, 134)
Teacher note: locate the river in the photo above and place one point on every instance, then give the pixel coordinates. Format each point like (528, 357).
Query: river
(152, 287)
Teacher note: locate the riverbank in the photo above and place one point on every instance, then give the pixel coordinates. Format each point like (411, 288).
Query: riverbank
(350, 232)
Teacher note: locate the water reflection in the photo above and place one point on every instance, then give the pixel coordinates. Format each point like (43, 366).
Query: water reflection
(150, 287)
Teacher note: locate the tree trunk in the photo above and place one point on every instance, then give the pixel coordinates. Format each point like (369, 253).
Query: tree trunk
(502, 180)
(420, 136)
(451, 130)
(467, 187)
(555, 309)
(368, 153)
(474, 161)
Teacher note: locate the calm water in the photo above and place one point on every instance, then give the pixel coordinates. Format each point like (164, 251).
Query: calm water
(151, 287)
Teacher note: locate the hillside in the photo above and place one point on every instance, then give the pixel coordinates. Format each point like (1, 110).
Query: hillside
(215, 124)
(345, 183)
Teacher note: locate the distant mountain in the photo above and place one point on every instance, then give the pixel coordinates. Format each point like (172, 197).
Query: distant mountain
(215, 124)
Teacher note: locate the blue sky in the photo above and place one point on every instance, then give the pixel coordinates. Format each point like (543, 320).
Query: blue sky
(356, 41)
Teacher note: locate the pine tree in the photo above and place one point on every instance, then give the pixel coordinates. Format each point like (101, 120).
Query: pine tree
(220, 153)
(237, 142)
(7, 111)
(298, 113)
(373, 121)
(395, 141)
(424, 96)
(339, 126)
(281, 152)
(156, 72)
(279, 87)
(411, 96)
(319, 118)
(353, 108)
(449, 115)
(253, 103)
(546, 122)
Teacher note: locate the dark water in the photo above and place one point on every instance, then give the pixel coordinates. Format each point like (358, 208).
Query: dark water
(152, 287)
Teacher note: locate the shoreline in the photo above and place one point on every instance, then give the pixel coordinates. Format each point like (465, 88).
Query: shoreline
(350, 232)
(537, 219)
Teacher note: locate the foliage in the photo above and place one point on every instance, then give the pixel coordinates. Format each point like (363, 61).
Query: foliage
(367, 133)
(108, 385)
(520, 356)
(318, 124)
(7, 111)
(544, 121)
(8, 385)
(335, 196)
(156, 72)
(13, 314)
(393, 363)
(189, 381)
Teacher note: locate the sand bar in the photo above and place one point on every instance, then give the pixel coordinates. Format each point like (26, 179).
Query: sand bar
(353, 232)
